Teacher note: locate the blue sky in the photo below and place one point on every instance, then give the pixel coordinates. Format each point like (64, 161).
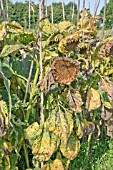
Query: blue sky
(92, 3)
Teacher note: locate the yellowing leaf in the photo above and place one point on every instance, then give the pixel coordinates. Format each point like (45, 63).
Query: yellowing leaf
(68, 43)
(44, 146)
(61, 124)
(9, 49)
(46, 167)
(108, 72)
(79, 131)
(14, 27)
(93, 100)
(31, 132)
(71, 148)
(3, 118)
(57, 164)
(2, 33)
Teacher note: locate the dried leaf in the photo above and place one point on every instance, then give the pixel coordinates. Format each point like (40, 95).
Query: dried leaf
(93, 100)
(107, 86)
(48, 83)
(108, 47)
(71, 148)
(110, 131)
(44, 146)
(106, 113)
(61, 124)
(89, 127)
(75, 100)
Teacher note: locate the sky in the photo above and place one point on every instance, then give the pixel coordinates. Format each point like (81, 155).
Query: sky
(91, 2)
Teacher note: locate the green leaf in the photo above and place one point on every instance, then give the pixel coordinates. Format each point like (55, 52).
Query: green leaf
(7, 86)
(104, 99)
(26, 37)
(7, 70)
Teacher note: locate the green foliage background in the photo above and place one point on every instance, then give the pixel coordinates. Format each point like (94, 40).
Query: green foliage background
(19, 12)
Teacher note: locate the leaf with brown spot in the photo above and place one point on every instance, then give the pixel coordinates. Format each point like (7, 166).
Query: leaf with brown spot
(44, 146)
(71, 149)
(61, 124)
(57, 164)
(31, 132)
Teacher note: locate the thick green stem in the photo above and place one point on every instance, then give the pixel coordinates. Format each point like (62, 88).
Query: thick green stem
(26, 154)
(32, 93)
(90, 135)
(21, 77)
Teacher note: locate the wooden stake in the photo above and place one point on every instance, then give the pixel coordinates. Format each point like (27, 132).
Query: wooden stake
(78, 15)
(105, 2)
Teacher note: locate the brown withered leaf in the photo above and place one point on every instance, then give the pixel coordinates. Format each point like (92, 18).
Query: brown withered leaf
(71, 149)
(45, 145)
(61, 124)
(93, 100)
(89, 127)
(110, 131)
(98, 132)
(108, 47)
(48, 83)
(106, 113)
(75, 100)
(107, 86)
